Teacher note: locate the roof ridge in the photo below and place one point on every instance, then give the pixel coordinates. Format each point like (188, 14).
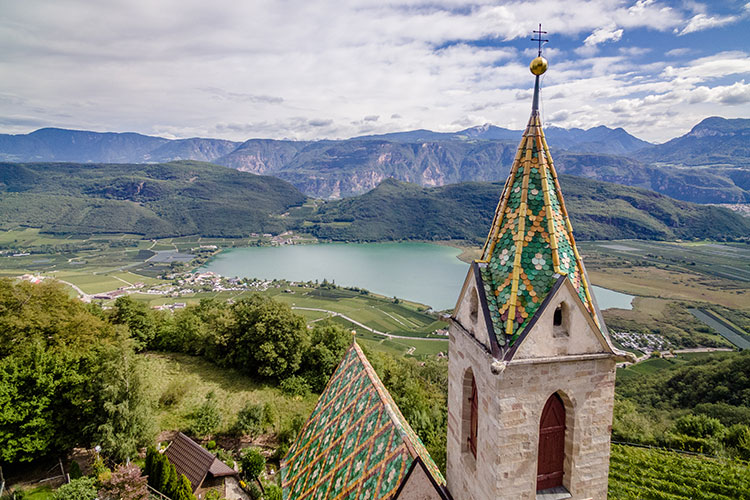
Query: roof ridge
(409, 436)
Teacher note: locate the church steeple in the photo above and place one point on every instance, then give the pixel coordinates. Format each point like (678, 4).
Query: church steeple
(531, 238)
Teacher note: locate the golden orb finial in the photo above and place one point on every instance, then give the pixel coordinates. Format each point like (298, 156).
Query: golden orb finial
(538, 66)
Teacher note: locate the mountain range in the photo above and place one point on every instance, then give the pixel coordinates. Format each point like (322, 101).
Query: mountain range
(709, 164)
(189, 197)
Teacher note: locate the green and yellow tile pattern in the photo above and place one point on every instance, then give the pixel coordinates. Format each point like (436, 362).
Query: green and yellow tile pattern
(530, 241)
(356, 444)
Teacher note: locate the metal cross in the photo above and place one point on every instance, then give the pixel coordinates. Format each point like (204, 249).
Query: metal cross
(539, 38)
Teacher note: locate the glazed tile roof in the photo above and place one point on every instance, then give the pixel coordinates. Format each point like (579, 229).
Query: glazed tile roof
(530, 241)
(356, 444)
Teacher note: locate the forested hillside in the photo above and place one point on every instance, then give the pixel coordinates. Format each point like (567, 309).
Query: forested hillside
(599, 210)
(152, 200)
(189, 198)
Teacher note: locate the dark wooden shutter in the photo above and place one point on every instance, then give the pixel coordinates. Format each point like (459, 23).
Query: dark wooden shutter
(551, 444)
(474, 414)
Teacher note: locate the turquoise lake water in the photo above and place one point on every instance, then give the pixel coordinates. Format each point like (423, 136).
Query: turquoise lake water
(422, 272)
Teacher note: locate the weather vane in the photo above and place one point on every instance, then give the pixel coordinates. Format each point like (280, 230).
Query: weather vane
(539, 38)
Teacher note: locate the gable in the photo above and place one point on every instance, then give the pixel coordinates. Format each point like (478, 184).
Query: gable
(419, 485)
(576, 335)
(471, 310)
(355, 443)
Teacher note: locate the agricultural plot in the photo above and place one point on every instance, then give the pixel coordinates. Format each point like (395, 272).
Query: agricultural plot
(646, 474)
(726, 329)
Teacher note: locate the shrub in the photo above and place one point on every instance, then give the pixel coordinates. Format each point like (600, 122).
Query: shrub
(699, 426)
(295, 386)
(125, 483)
(75, 470)
(253, 491)
(252, 463)
(251, 419)
(273, 492)
(83, 488)
(206, 418)
(174, 393)
(738, 437)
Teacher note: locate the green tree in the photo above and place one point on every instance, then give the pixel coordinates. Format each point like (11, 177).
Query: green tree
(699, 426)
(83, 488)
(206, 418)
(137, 317)
(128, 420)
(75, 470)
(252, 463)
(328, 342)
(266, 337)
(50, 359)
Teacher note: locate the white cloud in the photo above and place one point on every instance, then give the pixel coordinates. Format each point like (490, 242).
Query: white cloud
(681, 51)
(702, 22)
(601, 35)
(327, 68)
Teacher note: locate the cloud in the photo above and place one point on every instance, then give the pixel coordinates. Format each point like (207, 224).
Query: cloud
(702, 22)
(317, 122)
(559, 116)
(310, 70)
(681, 51)
(601, 35)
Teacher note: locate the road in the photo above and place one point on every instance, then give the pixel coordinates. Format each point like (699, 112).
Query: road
(389, 335)
(84, 296)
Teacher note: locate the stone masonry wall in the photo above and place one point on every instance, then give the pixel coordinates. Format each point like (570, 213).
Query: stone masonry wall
(510, 406)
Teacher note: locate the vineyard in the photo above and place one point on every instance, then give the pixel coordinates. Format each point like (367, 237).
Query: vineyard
(649, 474)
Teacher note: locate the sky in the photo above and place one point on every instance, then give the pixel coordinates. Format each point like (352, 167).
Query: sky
(316, 69)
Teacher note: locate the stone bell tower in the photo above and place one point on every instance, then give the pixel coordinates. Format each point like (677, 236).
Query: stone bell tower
(531, 366)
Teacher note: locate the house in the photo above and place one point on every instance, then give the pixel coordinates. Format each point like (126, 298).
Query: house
(202, 468)
(531, 372)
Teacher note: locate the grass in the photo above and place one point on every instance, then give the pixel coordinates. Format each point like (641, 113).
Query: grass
(193, 378)
(653, 365)
(38, 493)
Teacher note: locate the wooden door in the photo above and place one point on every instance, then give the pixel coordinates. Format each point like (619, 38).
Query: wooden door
(551, 444)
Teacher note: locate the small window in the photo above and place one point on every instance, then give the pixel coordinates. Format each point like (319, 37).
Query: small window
(474, 402)
(558, 319)
(474, 306)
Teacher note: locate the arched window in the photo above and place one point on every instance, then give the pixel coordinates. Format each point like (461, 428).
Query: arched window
(473, 417)
(558, 317)
(560, 320)
(551, 444)
(474, 306)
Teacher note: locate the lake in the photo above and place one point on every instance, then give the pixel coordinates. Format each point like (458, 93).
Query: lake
(422, 272)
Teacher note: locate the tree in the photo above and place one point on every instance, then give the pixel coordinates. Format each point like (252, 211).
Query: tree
(50, 361)
(137, 317)
(206, 418)
(266, 338)
(328, 342)
(128, 423)
(125, 483)
(252, 463)
(83, 488)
